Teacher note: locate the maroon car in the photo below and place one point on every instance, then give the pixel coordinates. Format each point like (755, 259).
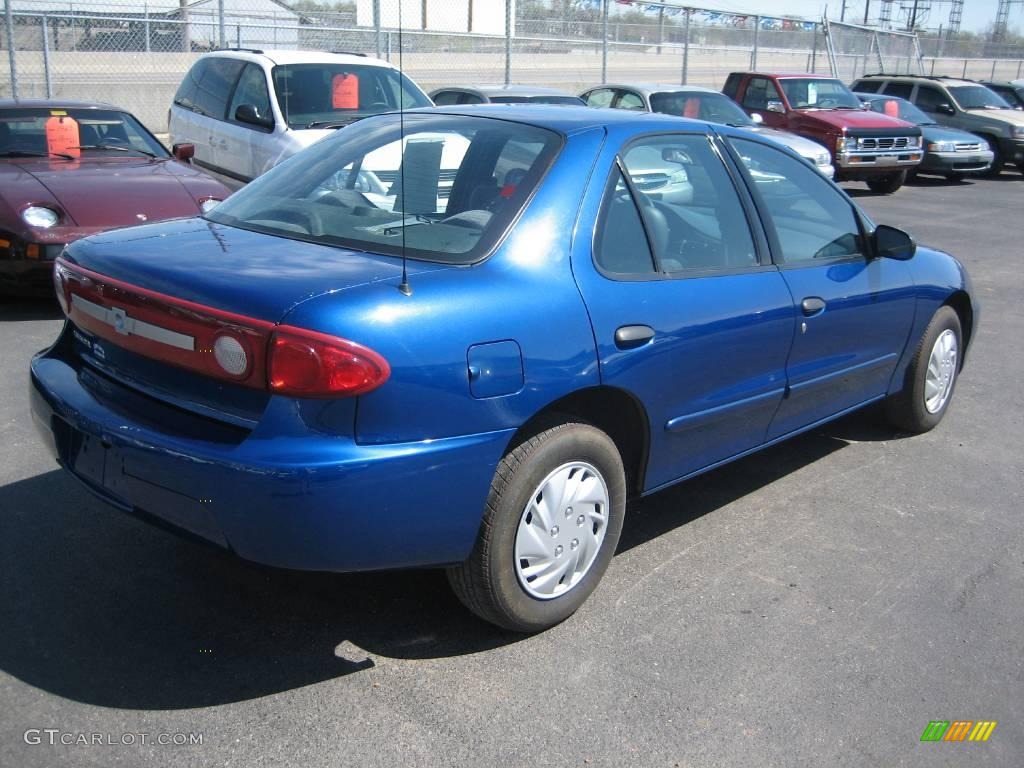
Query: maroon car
(69, 169)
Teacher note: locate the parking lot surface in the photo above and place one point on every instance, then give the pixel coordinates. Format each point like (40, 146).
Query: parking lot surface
(817, 604)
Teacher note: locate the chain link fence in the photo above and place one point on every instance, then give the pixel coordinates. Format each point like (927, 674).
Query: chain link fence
(134, 53)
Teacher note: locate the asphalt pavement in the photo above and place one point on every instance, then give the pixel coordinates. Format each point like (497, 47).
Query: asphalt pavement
(817, 604)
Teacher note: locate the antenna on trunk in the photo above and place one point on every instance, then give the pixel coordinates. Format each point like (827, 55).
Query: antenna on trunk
(404, 286)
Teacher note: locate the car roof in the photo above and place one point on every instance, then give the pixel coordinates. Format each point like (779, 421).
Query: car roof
(505, 90)
(565, 119)
(783, 75)
(288, 56)
(649, 88)
(56, 104)
(944, 79)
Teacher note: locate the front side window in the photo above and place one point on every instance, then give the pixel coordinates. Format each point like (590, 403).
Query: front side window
(630, 100)
(689, 205)
(252, 90)
(86, 133)
(977, 97)
(446, 98)
(444, 190)
(818, 93)
(330, 95)
(929, 98)
(812, 219)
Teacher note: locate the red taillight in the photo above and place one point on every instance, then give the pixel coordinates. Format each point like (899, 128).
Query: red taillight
(60, 285)
(307, 364)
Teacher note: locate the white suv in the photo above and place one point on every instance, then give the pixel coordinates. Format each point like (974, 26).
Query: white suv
(246, 110)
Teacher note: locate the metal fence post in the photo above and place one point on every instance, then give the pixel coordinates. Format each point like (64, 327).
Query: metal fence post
(992, 77)
(508, 42)
(238, 35)
(221, 30)
(9, 17)
(376, 25)
(814, 49)
(753, 51)
(604, 42)
(45, 30)
(661, 27)
(145, 26)
(686, 45)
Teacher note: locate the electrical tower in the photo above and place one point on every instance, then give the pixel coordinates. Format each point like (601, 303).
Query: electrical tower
(885, 14)
(956, 13)
(1003, 19)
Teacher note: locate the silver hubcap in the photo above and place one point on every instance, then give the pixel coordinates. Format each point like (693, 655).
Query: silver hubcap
(561, 530)
(938, 381)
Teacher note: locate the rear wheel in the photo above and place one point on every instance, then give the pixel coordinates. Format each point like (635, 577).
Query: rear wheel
(552, 522)
(931, 377)
(887, 184)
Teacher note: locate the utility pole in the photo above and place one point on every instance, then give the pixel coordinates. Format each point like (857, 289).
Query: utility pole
(867, 7)
(912, 22)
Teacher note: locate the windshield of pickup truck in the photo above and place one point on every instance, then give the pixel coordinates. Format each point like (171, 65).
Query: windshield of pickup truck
(816, 93)
(977, 97)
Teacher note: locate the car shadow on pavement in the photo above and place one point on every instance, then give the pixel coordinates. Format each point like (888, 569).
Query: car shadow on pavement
(100, 608)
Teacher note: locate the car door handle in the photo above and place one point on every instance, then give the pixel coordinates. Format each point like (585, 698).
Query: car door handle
(632, 336)
(812, 306)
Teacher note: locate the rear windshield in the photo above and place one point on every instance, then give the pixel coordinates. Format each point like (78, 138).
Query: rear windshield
(901, 109)
(818, 93)
(326, 95)
(977, 97)
(544, 99)
(446, 192)
(713, 107)
(30, 132)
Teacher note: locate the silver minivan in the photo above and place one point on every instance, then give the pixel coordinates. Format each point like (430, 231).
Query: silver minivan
(247, 110)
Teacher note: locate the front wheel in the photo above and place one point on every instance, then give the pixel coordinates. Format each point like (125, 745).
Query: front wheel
(931, 377)
(551, 525)
(997, 158)
(886, 185)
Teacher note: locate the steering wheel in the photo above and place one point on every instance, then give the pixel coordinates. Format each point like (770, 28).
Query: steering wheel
(827, 103)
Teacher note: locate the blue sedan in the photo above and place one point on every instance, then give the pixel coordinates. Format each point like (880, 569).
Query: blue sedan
(465, 338)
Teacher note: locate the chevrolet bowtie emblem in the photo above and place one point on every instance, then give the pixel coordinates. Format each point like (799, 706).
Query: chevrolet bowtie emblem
(118, 320)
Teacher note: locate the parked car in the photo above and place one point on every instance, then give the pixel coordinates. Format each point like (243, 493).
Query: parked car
(69, 169)
(500, 94)
(865, 145)
(315, 381)
(247, 110)
(703, 104)
(962, 104)
(947, 151)
(1012, 91)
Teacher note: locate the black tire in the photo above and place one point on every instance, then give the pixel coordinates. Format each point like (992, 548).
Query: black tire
(997, 158)
(907, 409)
(886, 185)
(956, 178)
(487, 582)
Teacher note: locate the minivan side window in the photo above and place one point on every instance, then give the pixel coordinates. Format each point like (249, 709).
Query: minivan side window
(186, 95)
(813, 220)
(215, 85)
(252, 89)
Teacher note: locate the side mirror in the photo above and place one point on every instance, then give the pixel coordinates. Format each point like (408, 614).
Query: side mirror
(247, 113)
(757, 118)
(183, 152)
(774, 105)
(892, 243)
(946, 109)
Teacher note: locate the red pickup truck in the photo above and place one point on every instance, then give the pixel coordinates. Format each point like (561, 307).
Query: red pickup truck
(865, 145)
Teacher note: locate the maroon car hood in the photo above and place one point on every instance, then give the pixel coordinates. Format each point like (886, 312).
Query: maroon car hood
(852, 118)
(117, 192)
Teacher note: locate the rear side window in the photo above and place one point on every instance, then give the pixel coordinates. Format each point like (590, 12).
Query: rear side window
(215, 85)
(812, 219)
(866, 86)
(444, 193)
(630, 100)
(902, 90)
(186, 95)
(621, 246)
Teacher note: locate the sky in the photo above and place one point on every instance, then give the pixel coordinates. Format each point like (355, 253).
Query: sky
(977, 14)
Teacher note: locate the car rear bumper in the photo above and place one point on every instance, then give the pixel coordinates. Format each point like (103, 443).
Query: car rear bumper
(956, 162)
(295, 500)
